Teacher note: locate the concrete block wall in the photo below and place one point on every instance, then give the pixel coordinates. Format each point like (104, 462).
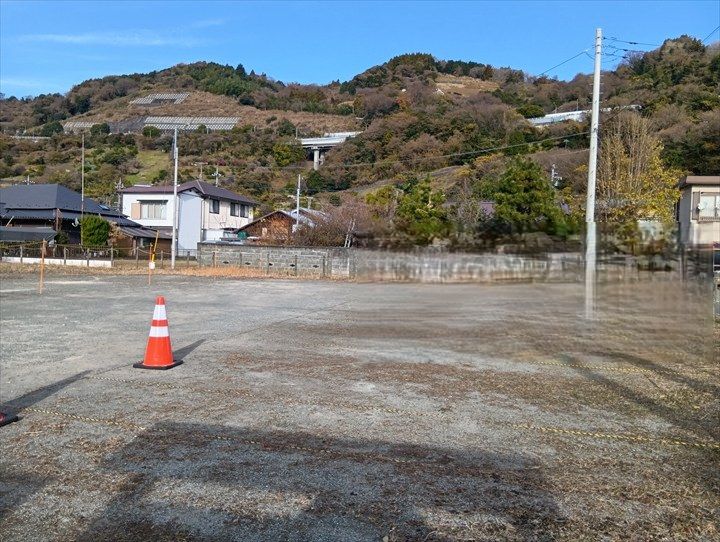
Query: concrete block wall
(376, 265)
(305, 261)
(428, 266)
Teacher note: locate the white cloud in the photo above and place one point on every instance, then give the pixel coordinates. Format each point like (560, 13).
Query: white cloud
(21, 83)
(206, 23)
(118, 39)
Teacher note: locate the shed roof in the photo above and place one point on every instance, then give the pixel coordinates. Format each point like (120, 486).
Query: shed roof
(26, 233)
(284, 214)
(146, 233)
(691, 180)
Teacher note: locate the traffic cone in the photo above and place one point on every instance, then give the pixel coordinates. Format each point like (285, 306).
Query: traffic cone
(158, 354)
(7, 418)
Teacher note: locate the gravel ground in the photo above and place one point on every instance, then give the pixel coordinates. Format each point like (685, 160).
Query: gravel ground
(340, 411)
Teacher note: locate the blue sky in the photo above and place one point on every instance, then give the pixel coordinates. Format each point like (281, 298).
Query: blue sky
(50, 46)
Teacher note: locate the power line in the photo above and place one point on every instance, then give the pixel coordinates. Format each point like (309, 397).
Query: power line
(615, 48)
(633, 42)
(711, 33)
(584, 51)
(429, 158)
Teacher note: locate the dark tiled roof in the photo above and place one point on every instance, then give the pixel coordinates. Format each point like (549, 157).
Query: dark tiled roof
(26, 233)
(39, 201)
(49, 214)
(50, 196)
(213, 191)
(205, 189)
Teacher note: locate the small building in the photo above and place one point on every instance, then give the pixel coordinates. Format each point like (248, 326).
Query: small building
(133, 238)
(278, 226)
(273, 228)
(698, 211)
(205, 212)
(40, 211)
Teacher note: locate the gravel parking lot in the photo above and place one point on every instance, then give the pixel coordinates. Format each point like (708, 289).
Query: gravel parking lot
(310, 410)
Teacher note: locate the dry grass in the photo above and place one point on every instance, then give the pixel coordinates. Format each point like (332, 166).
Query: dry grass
(205, 104)
(128, 268)
(464, 86)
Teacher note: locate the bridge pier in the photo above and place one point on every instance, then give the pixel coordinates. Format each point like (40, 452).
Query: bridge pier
(316, 158)
(320, 145)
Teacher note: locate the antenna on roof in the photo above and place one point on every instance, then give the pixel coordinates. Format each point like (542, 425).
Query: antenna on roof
(216, 175)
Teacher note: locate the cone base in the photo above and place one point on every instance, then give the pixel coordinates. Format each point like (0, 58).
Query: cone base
(141, 365)
(7, 418)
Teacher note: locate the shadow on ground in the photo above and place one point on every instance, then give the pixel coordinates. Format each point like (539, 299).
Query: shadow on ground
(16, 488)
(180, 353)
(33, 397)
(203, 482)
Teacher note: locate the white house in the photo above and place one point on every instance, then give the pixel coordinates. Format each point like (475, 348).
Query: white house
(698, 211)
(205, 212)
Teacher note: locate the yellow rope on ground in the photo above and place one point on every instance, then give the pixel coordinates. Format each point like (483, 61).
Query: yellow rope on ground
(529, 427)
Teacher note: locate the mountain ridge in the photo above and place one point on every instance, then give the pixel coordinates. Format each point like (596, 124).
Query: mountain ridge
(414, 110)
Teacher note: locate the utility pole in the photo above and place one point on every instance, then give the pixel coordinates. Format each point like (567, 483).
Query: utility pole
(216, 175)
(119, 186)
(200, 167)
(590, 235)
(82, 178)
(173, 247)
(297, 203)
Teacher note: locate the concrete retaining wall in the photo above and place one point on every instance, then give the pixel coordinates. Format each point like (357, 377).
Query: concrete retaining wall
(310, 261)
(375, 265)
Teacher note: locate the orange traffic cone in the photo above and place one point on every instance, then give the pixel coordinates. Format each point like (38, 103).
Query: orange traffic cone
(158, 354)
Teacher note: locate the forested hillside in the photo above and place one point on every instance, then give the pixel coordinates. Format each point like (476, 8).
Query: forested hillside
(455, 123)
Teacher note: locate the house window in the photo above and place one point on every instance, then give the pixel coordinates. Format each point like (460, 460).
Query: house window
(238, 209)
(153, 210)
(215, 206)
(709, 207)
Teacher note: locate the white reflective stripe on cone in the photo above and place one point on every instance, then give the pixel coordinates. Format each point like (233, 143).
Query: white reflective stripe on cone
(156, 331)
(159, 313)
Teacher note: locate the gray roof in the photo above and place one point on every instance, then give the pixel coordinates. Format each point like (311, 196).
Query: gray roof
(26, 233)
(710, 180)
(40, 201)
(146, 233)
(203, 188)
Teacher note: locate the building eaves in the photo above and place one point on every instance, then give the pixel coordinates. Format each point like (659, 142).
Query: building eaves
(702, 180)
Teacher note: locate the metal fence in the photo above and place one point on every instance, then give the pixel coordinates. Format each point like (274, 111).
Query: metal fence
(80, 256)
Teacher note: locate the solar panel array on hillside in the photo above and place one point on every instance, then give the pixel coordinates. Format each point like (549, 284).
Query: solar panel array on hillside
(160, 98)
(77, 125)
(192, 123)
